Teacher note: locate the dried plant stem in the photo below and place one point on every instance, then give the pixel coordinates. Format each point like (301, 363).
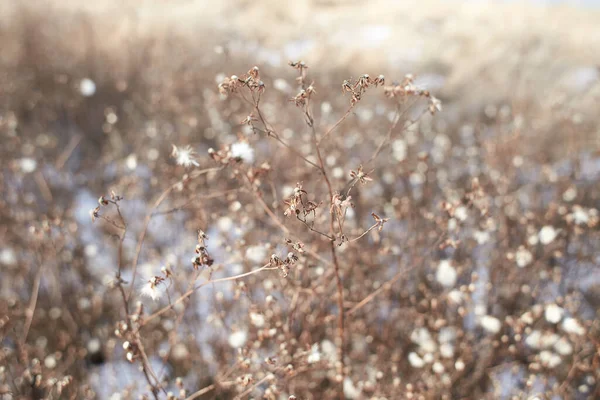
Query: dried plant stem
(365, 232)
(251, 388)
(336, 265)
(194, 289)
(284, 228)
(397, 117)
(157, 203)
(201, 392)
(146, 367)
(32, 302)
(315, 230)
(269, 131)
(336, 124)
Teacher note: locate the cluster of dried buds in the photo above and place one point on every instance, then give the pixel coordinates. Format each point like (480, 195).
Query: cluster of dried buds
(222, 156)
(407, 88)
(59, 385)
(297, 205)
(339, 204)
(249, 120)
(254, 174)
(361, 85)
(379, 221)
(283, 265)
(126, 332)
(245, 380)
(228, 154)
(132, 350)
(301, 67)
(360, 175)
(202, 258)
(103, 202)
(297, 246)
(477, 197)
(302, 98)
(251, 80)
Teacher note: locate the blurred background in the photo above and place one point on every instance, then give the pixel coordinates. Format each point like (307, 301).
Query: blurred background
(93, 95)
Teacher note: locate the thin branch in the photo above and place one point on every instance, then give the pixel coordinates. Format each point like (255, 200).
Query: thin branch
(336, 265)
(336, 124)
(32, 302)
(194, 289)
(201, 392)
(365, 232)
(314, 230)
(156, 204)
(251, 388)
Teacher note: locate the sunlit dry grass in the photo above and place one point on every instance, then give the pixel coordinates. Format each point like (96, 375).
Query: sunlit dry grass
(170, 230)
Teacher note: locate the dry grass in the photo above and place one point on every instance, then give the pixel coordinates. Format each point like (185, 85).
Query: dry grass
(452, 255)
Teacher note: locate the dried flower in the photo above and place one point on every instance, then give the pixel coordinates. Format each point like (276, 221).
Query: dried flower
(151, 289)
(446, 274)
(242, 151)
(379, 221)
(184, 156)
(360, 175)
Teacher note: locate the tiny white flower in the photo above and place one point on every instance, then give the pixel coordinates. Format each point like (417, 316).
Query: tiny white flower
(446, 274)
(460, 213)
(314, 356)
(87, 87)
(257, 319)
(243, 151)
(422, 337)
(94, 345)
(481, 237)
(534, 339)
(533, 240)
(447, 350)
(428, 358)
(547, 234)
(329, 350)
(541, 340)
(527, 318)
(580, 215)
(548, 339)
(459, 365)
(455, 296)
(8, 257)
(563, 347)
(27, 165)
(350, 390)
(549, 359)
(131, 161)
(415, 360)
(50, 362)
(184, 156)
(491, 324)
(571, 325)
(237, 339)
(151, 290)
(570, 194)
(553, 313)
(523, 257)
(438, 368)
